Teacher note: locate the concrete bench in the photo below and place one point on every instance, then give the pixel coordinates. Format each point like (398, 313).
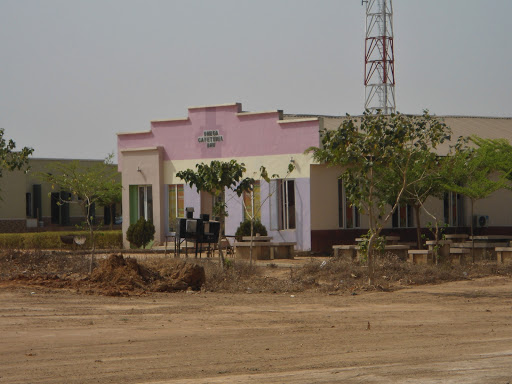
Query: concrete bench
(420, 256)
(482, 251)
(398, 250)
(345, 252)
(504, 254)
(443, 250)
(456, 236)
(264, 250)
(391, 240)
(458, 255)
(352, 252)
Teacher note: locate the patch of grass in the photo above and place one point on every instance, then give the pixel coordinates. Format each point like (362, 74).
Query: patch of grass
(52, 240)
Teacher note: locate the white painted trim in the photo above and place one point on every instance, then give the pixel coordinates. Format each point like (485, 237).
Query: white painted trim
(170, 120)
(296, 120)
(214, 106)
(142, 149)
(241, 114)
(132, 133)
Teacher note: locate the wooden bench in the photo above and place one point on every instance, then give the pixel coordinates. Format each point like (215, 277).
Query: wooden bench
(264, 250)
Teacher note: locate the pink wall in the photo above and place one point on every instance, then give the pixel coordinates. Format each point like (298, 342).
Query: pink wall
(243, 135)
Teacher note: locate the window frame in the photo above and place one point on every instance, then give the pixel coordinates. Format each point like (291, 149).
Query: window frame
(144, 210)
(453, 209)
(396, 219)
(179, 196)
(282, 205)
(344, 207)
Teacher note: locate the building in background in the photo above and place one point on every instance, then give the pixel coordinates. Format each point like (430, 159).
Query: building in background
(28, 204)
(307, 206)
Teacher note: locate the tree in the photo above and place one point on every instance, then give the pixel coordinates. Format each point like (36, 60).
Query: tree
(499, 154)
(89, 184)
(10, 159)
(215, 178)
(477, 172)
(367, 150)
(111, 193)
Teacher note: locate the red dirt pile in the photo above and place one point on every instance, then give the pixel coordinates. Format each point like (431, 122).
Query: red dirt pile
(181, 274)
(121, 275)
(113, 276)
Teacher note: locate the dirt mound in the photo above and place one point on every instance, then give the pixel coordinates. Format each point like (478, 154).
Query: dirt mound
(180, 274)
(116, 272)
(113, 276)
(119, 275)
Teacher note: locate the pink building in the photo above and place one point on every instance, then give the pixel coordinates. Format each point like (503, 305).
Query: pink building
(307, 206)
(150, 160)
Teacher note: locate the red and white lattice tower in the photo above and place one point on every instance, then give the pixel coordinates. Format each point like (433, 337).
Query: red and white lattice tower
(379, 59)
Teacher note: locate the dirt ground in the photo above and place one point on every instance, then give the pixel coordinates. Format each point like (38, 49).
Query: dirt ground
(457, 332)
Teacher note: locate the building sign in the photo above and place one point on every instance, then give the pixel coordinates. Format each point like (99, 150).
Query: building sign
(210, 138)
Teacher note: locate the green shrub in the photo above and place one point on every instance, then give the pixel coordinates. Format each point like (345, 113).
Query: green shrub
(140, 233)
(245, 229)
(108, 240)
(11, 241)
(52, 240)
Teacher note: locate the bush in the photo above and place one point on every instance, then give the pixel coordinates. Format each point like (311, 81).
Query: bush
(245, 229)
(141, 233)
(52, 240)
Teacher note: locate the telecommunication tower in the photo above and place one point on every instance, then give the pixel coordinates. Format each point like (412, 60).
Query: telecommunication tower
(379, 59)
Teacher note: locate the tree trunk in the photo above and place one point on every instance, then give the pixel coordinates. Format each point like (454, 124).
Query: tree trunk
(371, 262)
(436, 245)
(250, 246)
(91, 234)
(221, 231)
(111, 207)
(418, 226)
(472, 235)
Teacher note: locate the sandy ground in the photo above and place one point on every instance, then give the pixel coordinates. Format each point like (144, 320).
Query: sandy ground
(457, 332)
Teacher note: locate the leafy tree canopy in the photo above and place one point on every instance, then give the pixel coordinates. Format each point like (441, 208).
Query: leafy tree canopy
(217, 176)
(91, 184)
(10, 159)
(376, 154)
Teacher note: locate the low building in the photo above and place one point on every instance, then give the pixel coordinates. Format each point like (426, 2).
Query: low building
(307, 206)
(28, 204)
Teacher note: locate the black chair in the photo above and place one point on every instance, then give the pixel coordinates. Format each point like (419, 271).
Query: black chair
(212, 236)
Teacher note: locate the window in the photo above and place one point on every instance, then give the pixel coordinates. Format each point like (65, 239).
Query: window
(348, 214)
(282, 204)
(453, 209)
(176, 204)
(146, 202)
(403, 216)
(252, 203)
(141, 202)
(28, 204)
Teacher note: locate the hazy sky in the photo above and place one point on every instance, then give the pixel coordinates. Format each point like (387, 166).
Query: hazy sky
(74, 73)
